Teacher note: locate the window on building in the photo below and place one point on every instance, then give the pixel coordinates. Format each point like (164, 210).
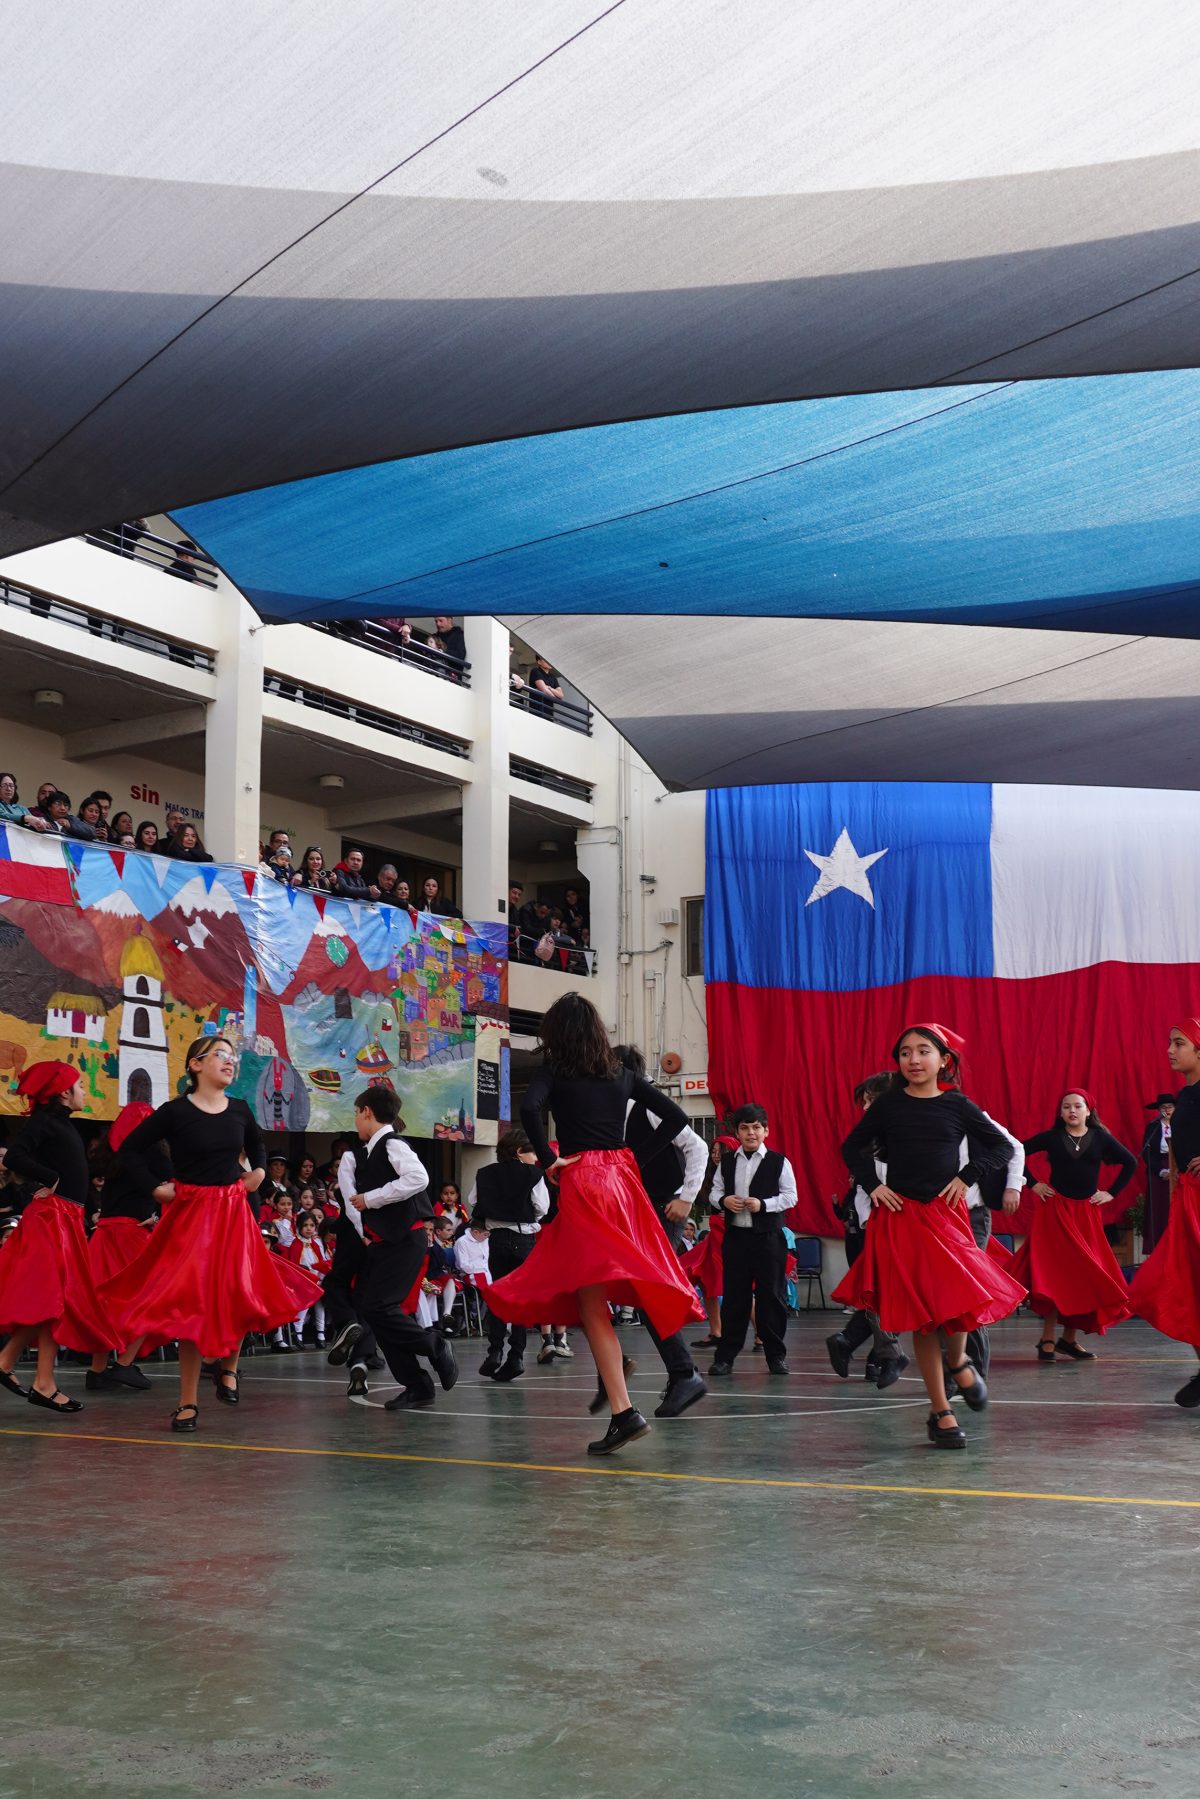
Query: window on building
(693, 936)
(141, 1022)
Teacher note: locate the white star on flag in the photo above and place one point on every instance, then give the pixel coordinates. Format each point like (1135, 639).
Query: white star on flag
(843, 867)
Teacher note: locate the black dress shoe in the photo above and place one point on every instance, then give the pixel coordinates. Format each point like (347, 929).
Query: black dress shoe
(14, 1386)
(778, 1368)
(976, 1395)
(357, 1388)
(489, 1365)
(1188, 1395)
(281, 1349)
(682, 1391)
(412, 1399)
(953, 1438)
(227, 1395)
(511, 1368)
(182, 1422)
(719, 1370)
(626, 1427)
(343, 1343)
(98, 1381)
(890, 1372)
(839, 1354)
(131, 1377)
(445, 1363)
(51, 1404)
(870, 1370)
(1074, 1351)
(705, 1342)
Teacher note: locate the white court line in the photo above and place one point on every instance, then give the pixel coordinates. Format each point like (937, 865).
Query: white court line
(434, 1411)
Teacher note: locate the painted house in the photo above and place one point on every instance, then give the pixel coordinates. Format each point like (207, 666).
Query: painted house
(79, 1015)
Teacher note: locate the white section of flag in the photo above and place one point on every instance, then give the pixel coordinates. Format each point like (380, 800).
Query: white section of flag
(1082, 875)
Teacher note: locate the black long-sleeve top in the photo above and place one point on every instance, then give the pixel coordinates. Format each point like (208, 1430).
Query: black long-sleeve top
(590, 1114)
(1185, 1127)
(205, 1147)
(129, 1185)
(1075, 1171)
(49, 1149)
(920, 1141)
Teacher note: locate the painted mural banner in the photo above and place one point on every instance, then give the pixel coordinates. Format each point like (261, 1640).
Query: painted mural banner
(115, 961)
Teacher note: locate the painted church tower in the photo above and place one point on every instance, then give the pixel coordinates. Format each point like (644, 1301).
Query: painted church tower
(142, 1072)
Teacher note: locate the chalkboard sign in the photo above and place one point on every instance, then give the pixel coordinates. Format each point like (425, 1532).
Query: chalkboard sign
(487, 1090)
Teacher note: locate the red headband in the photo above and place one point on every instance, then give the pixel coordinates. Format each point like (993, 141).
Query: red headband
(1189, 1028)
(1084, 1095)
(732, 1142)
(127, 1121)
(45, 1081)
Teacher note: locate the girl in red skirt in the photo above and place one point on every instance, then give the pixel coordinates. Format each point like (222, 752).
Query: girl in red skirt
(128, 1208)
(1165, 1291)
(605, 1246)
(47, 1294)
(919, 1268)
(1066, 1261)
(205, 1276)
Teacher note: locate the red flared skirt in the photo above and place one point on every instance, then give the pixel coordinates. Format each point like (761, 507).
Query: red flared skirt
(920, 1270)
(705, 1263)
(1069, 1267)
(206, 1276)
(113, 1244)
(46, 1278)
(605, 1235)
(1165, 1291)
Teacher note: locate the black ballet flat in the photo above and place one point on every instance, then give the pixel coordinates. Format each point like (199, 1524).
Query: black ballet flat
(227, 1395)
(1074, 1351)
(51, 1404)
(1045, 1351)
(945, 1439)
(180, 1423)
(976, 1395)
(13, 1385)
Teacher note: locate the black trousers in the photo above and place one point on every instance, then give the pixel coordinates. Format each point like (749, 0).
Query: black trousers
(349, 1266)
(506, 1251)
(754, 1273)
(390, 1274)
(673, 1351)
(979, 1344)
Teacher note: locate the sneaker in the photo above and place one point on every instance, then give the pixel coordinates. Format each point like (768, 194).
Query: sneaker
(839, 1354)
(357, 1388)
(343, 1343)
(131, 1377)
(562, 1350)
(626, 1427)
(445, 1363)
(1188, 1395)
(546, 1352)
(411, 1399)
(512, 1368)
(682, 1392)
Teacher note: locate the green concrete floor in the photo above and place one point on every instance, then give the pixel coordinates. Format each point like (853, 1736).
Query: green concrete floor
(805, 1607)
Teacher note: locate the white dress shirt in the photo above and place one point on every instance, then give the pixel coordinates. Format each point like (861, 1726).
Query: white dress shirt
(744, 1170)
(695, 1154)
(471, 1256)
(409, 1172)
(541, 1205)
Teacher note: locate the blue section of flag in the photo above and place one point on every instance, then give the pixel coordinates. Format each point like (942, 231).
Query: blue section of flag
(774, 917)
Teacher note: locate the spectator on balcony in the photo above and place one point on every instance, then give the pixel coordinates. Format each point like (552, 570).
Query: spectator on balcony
(277, 858)
(12, 812)
(91, 815)
(432, 900)
(515, 681)
(105, 800)
(58, 817)
(404, 897)
(545, 687)
(393, 891)
(43, 794)
(146, 837)
(120, 825)
(453, 642)
(313, 872)
(174, 821)
(399, 628)
(124, 841)
(349, 881)
(517, 952)
(184, 563)
(186, 846)
(575, 911)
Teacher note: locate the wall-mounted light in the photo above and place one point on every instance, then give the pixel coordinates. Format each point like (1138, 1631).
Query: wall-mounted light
(331, 783)
(47, 696)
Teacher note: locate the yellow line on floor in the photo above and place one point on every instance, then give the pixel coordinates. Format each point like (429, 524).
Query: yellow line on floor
(615, 1469)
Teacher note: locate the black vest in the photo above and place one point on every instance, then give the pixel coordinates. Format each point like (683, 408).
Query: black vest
(660, 1164)
(391, 1223)
(764, 1184)
(504, 1193)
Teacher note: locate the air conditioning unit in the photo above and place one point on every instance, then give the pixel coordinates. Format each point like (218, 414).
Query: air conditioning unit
(667, 915)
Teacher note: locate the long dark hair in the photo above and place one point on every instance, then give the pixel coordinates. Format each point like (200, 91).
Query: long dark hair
(575, 1041)
(950, 1075)
(1092, 1120)
(197, 1051)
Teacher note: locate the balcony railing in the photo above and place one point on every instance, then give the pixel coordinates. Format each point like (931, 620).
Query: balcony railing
(317, 700)
(558, 712)
(165, 553)
(98, 624)
(549, 778)
(381, 642)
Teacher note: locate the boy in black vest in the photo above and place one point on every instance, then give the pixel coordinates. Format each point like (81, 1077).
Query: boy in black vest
(389, 1190)
(509, 1199)
(756, 1186)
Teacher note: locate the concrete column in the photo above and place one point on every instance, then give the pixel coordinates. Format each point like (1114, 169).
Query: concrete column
(485, 799)
(599, 852)
(233, 734)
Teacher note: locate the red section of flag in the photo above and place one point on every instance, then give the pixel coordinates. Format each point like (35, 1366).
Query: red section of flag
(33, 867)
(801, 1054)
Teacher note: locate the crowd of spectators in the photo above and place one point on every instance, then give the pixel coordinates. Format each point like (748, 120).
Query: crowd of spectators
(550, 933)
(96, 822)
(348, 878)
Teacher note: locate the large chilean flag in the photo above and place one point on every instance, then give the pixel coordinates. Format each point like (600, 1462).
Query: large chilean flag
(1056, 929)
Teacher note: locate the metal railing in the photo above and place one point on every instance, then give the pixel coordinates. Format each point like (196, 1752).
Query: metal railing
(564, 958)
(369, 635)
(550, 778)
(181, 559)
(317, 700)
(558, 712)
(97, 624)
